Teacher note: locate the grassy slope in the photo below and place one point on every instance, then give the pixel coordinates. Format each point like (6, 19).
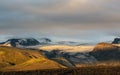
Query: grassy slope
(15, 59)
(13, 56)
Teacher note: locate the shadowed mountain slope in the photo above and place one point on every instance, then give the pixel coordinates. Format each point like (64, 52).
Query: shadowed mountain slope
(74, 58)
(106, 52)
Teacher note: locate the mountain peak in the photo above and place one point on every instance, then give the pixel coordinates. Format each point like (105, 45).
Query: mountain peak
(116, 41)
(15, 42)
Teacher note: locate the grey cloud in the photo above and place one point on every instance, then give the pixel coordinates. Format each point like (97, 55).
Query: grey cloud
(60, 17)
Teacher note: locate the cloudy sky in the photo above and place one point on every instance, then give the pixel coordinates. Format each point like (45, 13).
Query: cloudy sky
(78, 20)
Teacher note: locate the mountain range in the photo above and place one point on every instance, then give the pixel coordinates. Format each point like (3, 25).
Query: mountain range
(32, 42)
(15, 56)
(22, 42)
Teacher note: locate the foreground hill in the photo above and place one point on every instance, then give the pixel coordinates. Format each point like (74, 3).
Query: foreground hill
(16, 59)
(35, 64)
(13, 56)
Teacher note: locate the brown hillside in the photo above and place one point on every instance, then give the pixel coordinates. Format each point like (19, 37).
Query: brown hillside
(105, 46)
(16, 59)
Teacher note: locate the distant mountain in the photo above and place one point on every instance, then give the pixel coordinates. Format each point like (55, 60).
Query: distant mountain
(116, 41)
(16, 42)
(106, 52)
(24, 42)
(37, 43)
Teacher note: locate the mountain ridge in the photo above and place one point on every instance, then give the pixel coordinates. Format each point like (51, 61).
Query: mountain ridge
(106, 52)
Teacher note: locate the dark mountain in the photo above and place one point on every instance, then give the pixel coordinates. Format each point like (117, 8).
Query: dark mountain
(15, 42)
(2, 43)
(116, 41)
(106, 52)
(24, 42)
